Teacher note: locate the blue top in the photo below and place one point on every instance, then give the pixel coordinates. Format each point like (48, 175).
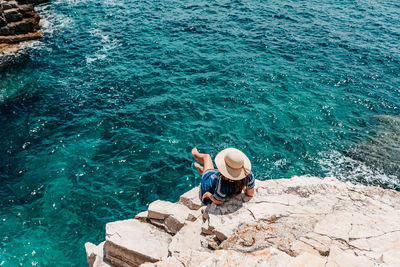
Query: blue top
(212, 182)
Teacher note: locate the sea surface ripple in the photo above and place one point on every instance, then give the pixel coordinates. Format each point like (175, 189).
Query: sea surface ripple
(98, 118)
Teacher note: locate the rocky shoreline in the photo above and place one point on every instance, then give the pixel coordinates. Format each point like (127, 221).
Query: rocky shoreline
(289, 222)
(19, 25)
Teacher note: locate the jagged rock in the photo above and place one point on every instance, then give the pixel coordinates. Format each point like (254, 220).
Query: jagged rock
(223, 220)
(91, 252)
(292, 219)
(24, 26)
(302, 221)
(189, 237)
(172, 215)
(142, 216)
(211, 242)
(95, 255)
(4, 31)
(12, 15)
(168, 262)
(3, 21)
(35, 2)
(7, 51)
(20, 37)
(191, 199)
(18, 23)
(8, 4)
(131, 243)
(195, 214)
(193, 258)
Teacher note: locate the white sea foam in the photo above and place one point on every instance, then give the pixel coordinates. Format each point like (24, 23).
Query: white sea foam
(52, 20)
(334, 163)
(107, 44)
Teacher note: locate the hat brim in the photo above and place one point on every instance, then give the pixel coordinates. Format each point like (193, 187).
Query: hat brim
(228, 172)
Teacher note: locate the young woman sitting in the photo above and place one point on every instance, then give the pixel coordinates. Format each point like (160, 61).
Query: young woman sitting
(233, 174)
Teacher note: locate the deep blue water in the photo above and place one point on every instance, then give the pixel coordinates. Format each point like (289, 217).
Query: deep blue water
(97, 119)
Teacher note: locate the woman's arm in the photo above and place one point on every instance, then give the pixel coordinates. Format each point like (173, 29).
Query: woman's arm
(250, 183)
(211, 197)
(249, 192)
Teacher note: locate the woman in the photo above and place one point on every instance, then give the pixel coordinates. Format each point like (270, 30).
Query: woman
(233, 174)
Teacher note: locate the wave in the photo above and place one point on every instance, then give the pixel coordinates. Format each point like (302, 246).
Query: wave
(345, 168)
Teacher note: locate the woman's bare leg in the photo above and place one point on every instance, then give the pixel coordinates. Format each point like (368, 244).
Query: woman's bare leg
(204, 159)
(199, 168)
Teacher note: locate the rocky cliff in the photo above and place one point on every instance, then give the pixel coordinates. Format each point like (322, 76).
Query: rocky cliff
(302, 221)
(19, 23)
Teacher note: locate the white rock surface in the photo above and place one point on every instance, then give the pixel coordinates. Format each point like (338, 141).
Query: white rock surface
(95, 255)
(142, 216)
(189, 237)
(172, 215)
(131, 243)
(191, 199)
(302, 221)
(338, 257)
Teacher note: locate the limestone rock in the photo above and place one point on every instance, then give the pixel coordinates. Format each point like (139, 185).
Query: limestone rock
(168, 262)
(132, 242)
(95, 255)
(142, 216)
(20, 37)
(391, 257)
(302, 221)
(32, 1)
(223, 220)
(8, 4)
(3, 21)
(191, 199)
(307, 259)
(189, 237)
(193, 258)
(19, 23)
(173, 215)
(338, 257)
(12, 15)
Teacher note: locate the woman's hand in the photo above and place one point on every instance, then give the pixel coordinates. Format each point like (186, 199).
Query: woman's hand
(210, 196)
(206, 195)
(249, 192)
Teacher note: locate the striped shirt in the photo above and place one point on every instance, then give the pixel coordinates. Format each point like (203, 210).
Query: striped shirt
(212, 182)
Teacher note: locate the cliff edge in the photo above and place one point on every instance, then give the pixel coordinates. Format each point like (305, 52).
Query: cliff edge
(302, 221)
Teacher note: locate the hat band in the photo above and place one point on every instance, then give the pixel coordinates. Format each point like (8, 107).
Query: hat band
(246, 171)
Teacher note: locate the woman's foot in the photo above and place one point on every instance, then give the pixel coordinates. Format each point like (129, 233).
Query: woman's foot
(199, 168)
(204, 159)
(195, 153)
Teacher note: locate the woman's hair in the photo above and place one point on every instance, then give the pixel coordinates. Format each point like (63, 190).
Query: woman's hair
(235, 186)
(238, 185)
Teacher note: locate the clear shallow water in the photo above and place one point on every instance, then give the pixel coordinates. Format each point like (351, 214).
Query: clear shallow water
(98, 119)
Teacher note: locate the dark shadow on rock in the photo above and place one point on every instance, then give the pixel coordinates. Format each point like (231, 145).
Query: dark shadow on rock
(232, 204)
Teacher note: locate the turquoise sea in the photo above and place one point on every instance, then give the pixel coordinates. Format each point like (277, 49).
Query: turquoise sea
(98, 118)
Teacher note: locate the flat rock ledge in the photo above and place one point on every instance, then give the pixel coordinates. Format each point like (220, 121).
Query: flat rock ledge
(302, 221)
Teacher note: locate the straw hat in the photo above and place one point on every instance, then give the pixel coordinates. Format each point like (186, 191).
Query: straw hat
(233, 163)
